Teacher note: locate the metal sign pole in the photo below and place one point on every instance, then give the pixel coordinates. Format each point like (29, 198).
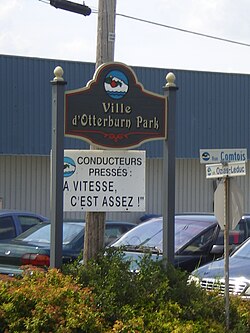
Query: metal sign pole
(57, 152)
(228, 212)
(168, 189)
(226, 249)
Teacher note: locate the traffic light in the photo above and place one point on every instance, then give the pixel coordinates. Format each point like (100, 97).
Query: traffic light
(71, 6)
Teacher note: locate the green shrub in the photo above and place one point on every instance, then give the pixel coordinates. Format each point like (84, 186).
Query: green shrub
(155, 299)
(105, 296)
(47, 302)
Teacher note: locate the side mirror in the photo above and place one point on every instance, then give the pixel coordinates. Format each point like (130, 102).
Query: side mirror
(218, 250)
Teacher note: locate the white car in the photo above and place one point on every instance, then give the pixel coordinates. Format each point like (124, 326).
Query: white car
(211, 276)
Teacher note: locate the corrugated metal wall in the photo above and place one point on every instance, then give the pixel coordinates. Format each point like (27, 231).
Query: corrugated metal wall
(25, 184)
(212, 109)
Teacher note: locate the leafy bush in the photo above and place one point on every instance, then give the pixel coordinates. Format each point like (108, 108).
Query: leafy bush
(47, 302)
(105, 296)
(154, 299)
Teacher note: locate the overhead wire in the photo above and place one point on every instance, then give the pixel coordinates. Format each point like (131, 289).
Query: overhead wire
(183, 30)
(95, 11)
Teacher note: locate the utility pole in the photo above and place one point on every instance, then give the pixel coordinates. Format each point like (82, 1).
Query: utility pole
(105, 32)
(95, 221)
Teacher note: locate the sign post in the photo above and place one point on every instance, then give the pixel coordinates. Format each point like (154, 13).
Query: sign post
(168, 188)
(113, 112)
(226, 250)
(230, 211)
(56, 191)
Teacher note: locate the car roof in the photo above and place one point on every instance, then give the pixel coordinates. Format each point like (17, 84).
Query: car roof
(106, 222)
(246, 216)
(19, 212)
(121, 222)
(197, 217)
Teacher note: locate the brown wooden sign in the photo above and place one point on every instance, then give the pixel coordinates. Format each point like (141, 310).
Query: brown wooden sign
(114, 110)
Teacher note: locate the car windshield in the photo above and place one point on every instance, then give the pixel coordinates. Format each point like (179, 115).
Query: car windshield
(243, 251)
(149, 234)
(146, 234)
(41, 233)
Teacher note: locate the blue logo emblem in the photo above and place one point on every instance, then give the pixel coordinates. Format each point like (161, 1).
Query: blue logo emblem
(205, 156)
(116, 84)
(69, 167)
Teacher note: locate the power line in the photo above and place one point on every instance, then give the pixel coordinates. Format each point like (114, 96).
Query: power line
(95, 11)
(183, 30)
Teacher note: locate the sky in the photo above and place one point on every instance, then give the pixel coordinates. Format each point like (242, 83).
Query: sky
(34, 28)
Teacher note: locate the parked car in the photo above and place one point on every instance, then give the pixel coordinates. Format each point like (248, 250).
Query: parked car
(113, 229)
(236, 236)
(33, 246)
(14, 222)
(196, 237)
(211, 276)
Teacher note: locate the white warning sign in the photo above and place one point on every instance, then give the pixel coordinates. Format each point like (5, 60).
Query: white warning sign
(103, 181)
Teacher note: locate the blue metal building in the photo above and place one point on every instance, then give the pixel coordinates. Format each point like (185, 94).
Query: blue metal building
(212, 112)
